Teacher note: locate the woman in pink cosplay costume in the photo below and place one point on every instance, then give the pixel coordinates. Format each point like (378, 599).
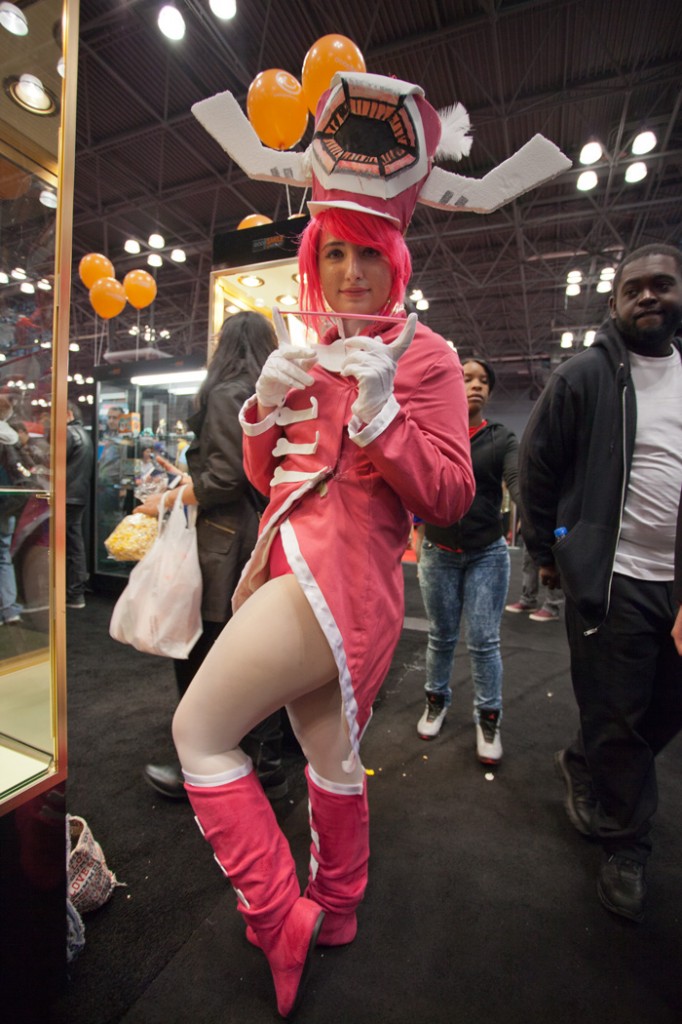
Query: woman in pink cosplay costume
(346, 436)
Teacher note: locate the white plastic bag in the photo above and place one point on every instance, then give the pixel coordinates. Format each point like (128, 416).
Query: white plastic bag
(159, 612)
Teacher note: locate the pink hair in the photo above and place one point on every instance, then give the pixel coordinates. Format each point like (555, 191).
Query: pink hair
(359, 229)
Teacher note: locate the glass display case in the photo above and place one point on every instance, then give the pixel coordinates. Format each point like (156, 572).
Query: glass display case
(256, 269)
(37, 135)
(142, 411)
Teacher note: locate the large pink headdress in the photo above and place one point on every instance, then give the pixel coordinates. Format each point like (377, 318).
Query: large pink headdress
(373, 150)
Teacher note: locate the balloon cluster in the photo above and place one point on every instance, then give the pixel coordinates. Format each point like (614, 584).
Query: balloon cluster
(109, 296)
(277, 104)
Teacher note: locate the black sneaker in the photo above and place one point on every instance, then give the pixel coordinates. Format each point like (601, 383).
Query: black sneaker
(621, 886)
(429, 725)
(580, 801)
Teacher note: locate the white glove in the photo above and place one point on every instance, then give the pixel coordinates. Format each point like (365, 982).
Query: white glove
(373, 364)
(285, 368)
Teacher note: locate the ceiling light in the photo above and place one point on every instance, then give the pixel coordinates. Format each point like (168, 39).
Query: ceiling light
(19, 273)
(44, 285)
(567, 339)
(422, 304)
(48, 198)
(643, 143)
(223, 9)
(27, 287)
(232, 310)
(156, 241)
(60, 67)
(572, 289)
(603, 286)
(416, 294)
(296, 278)
(178, 255)
(586, 181)
(636, 172)
(4, 278)
(74, 347)
(574, 277)
(260, 303)
(13, 19)
(132, 246)
(589, 338)
(607, 273)
(154, 260)
(29, 92)
(286, 300)
(181, 376)
(590, 153)
(171, 22)
(251, 281)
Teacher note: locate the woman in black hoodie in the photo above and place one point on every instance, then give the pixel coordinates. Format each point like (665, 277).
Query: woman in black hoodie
(464, 572)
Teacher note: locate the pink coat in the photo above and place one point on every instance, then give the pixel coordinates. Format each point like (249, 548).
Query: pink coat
(341, 494)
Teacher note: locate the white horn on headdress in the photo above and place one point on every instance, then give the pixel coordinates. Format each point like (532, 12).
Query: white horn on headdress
(532, 165)
(223, 118)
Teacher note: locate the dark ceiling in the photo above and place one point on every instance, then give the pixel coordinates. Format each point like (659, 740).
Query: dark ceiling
(570, 69)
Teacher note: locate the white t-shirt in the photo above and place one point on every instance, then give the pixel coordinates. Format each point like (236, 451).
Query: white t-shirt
(647, 537)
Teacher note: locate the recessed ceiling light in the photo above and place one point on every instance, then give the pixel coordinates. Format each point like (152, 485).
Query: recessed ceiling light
(29, 93)
(251, 281)
(13, 19)
(286, 300)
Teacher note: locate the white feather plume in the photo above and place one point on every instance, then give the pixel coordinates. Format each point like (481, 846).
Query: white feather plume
(454, 141)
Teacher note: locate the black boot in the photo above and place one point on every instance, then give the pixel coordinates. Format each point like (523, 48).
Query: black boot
(264, 746)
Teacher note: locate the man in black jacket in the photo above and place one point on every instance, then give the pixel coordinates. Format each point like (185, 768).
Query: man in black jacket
(79, 463)
(600, 474)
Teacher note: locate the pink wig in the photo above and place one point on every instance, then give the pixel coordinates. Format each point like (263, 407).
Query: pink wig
(359, 229)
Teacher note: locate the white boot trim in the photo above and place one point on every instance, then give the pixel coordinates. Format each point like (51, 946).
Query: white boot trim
(340, 788)
(231, 775)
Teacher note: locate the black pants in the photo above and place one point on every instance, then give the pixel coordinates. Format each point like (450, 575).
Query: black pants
(627, 679)
(76, 561)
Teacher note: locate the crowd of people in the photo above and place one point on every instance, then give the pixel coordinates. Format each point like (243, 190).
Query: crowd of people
(307, 457)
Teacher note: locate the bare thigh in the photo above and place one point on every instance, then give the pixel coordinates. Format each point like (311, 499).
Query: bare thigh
(271, 653)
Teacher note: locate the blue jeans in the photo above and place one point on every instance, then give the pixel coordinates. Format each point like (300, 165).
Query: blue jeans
(9, 608)
(472, 585)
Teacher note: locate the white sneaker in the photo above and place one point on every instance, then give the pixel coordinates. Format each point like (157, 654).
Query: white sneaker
(488, 742)
(429, 725)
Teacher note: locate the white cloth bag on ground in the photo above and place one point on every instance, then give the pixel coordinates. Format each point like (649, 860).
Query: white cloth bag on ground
(159, 612)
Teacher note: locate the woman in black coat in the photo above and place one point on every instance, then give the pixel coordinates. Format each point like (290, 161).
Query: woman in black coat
(227, 521)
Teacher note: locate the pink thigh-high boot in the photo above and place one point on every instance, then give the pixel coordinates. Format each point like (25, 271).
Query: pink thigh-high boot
(339, 855)
(237, 820)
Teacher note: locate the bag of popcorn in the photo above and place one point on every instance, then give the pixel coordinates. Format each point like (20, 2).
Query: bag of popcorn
(132, 538)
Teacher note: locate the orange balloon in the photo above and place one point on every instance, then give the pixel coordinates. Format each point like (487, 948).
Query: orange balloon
(107, 297)
(140, 288)
(324, 58)
(277, 109)
(93, 266)
(253, 220)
